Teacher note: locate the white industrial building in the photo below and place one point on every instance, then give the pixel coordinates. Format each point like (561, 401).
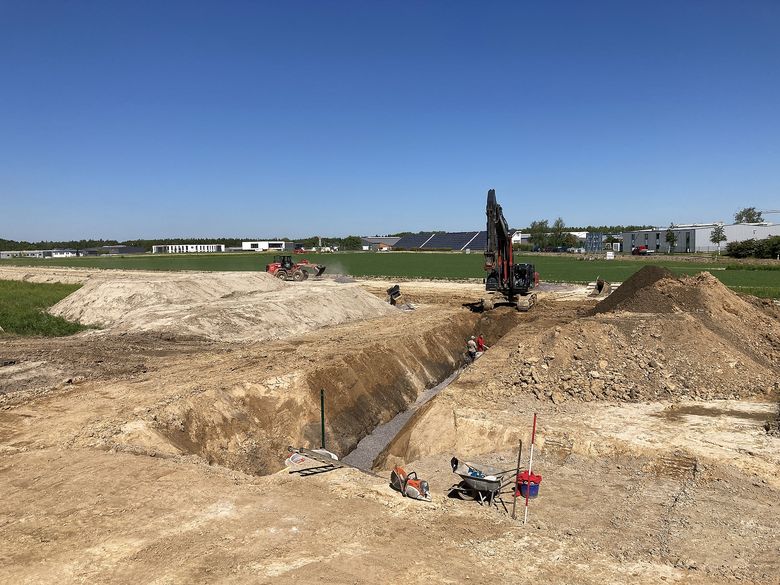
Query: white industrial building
(187, 248)
(265, 246)
(695, 237)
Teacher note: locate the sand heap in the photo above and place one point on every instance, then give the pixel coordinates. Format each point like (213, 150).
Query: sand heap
(224, 306)
(656, 337)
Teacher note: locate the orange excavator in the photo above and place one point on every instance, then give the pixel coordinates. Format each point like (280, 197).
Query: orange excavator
(511, 283)
(284, 268)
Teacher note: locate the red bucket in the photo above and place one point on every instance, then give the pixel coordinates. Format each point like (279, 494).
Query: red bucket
(528, 483)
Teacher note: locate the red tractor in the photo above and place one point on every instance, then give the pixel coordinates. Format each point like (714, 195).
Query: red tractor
(284, 268)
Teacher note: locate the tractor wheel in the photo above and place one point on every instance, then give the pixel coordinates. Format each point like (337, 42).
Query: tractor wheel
(281, 274)
(298, 276)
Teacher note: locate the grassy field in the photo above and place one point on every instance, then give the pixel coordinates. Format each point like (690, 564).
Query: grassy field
(555, 268)
(22, 306)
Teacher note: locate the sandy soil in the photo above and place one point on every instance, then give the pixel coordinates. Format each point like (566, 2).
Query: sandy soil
(134, 457)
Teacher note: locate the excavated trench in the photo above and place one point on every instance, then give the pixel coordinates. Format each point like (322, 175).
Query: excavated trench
(370, 446)
(248, 425)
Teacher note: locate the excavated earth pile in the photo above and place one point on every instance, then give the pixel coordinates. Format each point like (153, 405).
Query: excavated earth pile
(225, 306)
(657, 337)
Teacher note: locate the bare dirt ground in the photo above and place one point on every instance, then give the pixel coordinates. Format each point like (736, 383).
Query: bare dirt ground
(146, 456)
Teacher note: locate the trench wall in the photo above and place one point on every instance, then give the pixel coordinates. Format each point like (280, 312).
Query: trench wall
(249, 425)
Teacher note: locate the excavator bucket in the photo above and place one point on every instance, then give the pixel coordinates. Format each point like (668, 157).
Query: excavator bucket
(320, 270)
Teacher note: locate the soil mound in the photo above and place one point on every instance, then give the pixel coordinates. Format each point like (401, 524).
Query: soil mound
(664, 338)
(226, 306)
(632, 294)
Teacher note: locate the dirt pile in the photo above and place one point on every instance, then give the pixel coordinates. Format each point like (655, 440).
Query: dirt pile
(225, 306)
(660, 337)
(636, 293)
(49, 274)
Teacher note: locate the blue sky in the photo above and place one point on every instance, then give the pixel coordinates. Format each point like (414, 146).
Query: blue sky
(151, 119)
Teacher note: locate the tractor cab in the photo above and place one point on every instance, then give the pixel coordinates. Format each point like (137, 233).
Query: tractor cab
(284, 261)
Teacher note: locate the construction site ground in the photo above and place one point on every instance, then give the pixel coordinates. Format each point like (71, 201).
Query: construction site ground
(151, 450)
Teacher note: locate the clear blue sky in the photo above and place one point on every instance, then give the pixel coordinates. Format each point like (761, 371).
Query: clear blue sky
(150, 119)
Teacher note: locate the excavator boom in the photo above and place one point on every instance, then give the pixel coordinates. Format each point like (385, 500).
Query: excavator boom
(502, 275)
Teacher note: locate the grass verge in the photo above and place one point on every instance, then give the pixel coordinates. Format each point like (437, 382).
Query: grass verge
(23, 305)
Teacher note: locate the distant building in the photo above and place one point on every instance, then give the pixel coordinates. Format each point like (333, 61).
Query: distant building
(378, 242)
(111, 250)
(599, 241)
(695, 237)
(266, 245)
(520, 238)
(594, 241)
(187, 248)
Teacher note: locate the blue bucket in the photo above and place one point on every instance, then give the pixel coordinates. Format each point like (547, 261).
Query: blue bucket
(532, 493)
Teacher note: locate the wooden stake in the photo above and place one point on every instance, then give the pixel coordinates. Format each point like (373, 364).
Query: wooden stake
(322, 416)
(515, 484)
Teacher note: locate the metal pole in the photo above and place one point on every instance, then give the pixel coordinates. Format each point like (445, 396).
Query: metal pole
(515, 484)
(530, 466)
(322, 415)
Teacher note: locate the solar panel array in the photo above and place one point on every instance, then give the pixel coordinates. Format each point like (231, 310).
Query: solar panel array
(413, 241)
(480, 242)
(443, 241)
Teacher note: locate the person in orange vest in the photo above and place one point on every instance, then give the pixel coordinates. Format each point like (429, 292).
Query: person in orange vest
(481, 347)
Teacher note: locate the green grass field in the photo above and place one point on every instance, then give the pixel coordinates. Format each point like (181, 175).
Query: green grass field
(22, 306)
(564, 268)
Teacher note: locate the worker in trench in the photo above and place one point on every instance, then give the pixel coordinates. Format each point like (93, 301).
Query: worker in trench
(471, 348)
(481, 347)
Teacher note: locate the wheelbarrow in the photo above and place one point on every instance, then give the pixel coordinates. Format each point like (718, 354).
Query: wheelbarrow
(482, 483)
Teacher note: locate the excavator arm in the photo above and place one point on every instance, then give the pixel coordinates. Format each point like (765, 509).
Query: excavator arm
(498, 253)
(502, 275)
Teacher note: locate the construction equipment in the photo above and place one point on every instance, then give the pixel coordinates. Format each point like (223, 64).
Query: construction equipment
(284, 268)
(409, 484)
(513, 282)
(393, 294)
(599, 288)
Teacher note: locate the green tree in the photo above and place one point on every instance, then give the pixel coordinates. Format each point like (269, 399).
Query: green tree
(748, 215)
(538, 233)
(558, 233)
(569, 241)
(351, 243)
(671, 238)
(718, 235)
